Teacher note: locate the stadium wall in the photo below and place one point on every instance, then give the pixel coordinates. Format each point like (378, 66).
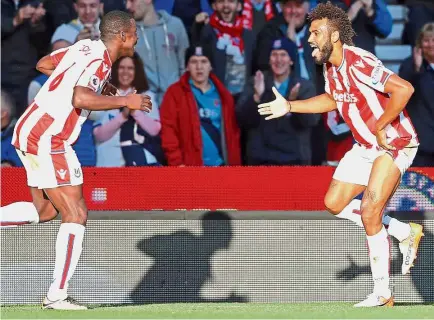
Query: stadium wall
(178, 255)
(221, 188)
(227, 260)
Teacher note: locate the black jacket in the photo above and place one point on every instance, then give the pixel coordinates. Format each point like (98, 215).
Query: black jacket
(205, 35)
(281, 141)
(21, 47)
(271, 31)
(421, 105)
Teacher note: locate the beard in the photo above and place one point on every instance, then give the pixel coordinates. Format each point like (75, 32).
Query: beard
(324, 53)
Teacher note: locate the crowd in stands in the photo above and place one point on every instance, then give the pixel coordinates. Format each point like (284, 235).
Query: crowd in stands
(207, 64)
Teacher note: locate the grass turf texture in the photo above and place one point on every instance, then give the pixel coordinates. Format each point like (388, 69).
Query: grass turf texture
(225, 311)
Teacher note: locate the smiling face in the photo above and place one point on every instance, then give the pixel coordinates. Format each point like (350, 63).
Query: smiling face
(88, 11)
(295, 10)
(427, 46)
(126, 73)
(280, 62)
(320, 41)
(227, 9)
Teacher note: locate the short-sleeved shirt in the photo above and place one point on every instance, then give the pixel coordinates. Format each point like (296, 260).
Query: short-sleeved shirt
(51, 123)
(358, 87)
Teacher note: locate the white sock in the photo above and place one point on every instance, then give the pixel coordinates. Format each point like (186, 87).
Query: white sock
(352, 212)
(397, 229)
(18, 213)
(68, 250)
(379, 256)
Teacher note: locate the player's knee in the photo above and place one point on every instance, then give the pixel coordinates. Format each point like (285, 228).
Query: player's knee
(332, 204)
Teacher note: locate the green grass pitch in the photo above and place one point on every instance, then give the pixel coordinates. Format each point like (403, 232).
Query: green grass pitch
(225, 311)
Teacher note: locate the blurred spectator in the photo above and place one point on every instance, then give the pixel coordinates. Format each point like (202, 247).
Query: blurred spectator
(419, 71)
(230, 43)
(58, 13)
(420, 12)
(370, 19)
(291, 23)
(256, 13)
(9, 157)
(161, 44)
(124, 137)
(86, 26)
(198, 117)
(283, 141)
(339, 137)
(186, 10)
(23, 34)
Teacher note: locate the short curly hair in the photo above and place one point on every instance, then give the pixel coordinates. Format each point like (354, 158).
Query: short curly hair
(337, 18)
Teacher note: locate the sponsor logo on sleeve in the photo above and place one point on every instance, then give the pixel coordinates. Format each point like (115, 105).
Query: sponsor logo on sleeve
(376, 74)
(94, 82)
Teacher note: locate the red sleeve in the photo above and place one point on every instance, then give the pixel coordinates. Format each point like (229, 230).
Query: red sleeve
(57, 56)
(170, 129)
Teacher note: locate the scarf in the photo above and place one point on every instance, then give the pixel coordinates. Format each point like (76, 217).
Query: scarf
(247, 14)
(229, 36)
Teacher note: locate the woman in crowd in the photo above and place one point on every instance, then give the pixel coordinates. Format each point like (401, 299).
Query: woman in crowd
(418, 69)
(124, 137)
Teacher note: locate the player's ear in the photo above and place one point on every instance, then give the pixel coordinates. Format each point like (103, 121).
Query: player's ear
(123, 36)
(335, 36)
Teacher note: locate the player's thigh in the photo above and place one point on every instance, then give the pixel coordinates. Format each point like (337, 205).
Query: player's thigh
(64, 185)
(383, 181)
(340, 194)
(69, 201)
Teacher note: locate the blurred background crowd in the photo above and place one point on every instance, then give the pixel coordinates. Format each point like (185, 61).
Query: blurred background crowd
(207, 64)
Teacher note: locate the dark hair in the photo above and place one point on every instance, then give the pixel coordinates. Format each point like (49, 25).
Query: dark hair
(337, 18)
(114, 22)
(140, 82)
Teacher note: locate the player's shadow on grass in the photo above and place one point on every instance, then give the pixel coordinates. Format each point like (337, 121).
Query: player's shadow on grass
(422, 274)
(182, 263)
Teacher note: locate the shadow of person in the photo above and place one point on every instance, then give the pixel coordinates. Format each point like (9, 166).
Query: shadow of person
(182, 262)
(422, 274)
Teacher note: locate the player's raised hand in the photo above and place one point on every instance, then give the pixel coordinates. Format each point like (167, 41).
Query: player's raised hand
(139, 102)
(276, 108)
(382, 140)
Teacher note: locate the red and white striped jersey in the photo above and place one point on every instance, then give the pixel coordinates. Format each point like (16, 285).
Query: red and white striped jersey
(358, 87)
(51, 124)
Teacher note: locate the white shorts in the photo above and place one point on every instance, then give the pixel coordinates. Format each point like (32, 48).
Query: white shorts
(355, 167)
(48, 171)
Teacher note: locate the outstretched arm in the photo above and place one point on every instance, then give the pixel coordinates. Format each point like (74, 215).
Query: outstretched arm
(280, 106)
(318, 104)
